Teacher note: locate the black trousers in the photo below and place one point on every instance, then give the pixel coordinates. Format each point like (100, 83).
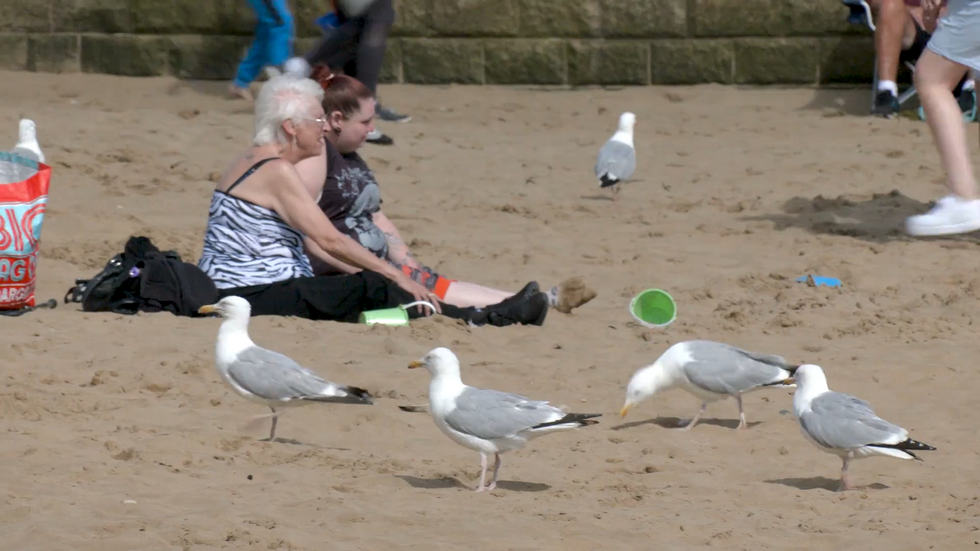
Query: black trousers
(335, 298)
(358, 45)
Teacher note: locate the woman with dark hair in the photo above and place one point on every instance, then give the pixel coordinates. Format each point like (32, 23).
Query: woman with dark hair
(261, 214)
(347, 192)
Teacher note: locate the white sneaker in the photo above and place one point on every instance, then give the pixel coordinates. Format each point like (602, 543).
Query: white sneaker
(951, 215)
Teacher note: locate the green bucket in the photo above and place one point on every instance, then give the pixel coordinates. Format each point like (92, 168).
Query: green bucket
(653, 308)
(390, 316)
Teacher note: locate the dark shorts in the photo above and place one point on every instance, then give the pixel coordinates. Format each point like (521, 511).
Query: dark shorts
(914, 52)
(428, 279)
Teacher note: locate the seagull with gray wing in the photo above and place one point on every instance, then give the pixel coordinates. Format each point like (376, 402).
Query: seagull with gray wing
(617, 158)
(711, 371)
(488, 421)
(846, 426)
(27, 145)
(268, 377)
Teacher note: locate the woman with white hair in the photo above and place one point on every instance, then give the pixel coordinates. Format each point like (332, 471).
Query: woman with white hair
(261, 211)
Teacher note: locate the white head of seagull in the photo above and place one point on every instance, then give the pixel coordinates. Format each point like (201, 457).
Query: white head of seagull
(440, 362)
(661, 375)
(624, 132)
(810, 383)
(233, 333)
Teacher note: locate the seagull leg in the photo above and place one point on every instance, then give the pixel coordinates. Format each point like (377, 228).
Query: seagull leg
(690, 424)
(741, 413)
(483, 471)
(845, 480)
(496, 469)
(275, 419)
(615, 192)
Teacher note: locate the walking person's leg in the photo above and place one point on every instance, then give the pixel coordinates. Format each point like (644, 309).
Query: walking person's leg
(272, 16)
(371, 49)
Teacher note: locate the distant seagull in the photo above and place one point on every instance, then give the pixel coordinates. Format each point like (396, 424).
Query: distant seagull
(710, 371)
(27, 145)
(265, 376)
(846, 426)
(617, 158)
(488, 421)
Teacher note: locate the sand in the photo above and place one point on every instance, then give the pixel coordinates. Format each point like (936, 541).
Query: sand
(739, 192)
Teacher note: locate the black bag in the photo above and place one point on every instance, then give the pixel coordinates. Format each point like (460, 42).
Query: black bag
(142, 278)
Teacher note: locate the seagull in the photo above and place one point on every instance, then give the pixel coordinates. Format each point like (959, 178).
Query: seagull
(27, 145)
(265, 376)
(711, 371)
(846, 426)
(488, 421)
(617, 158)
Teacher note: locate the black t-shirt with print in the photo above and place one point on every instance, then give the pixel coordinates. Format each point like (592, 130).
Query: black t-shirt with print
(350, 198)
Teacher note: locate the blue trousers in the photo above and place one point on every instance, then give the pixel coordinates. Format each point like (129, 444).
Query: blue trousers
(273, 43)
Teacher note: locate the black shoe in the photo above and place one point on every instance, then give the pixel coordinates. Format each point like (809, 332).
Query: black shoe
(377, 138)
(530, 311)
(527, 292)
(886, 105)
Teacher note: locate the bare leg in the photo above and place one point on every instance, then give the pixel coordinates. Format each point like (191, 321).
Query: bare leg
(845, 480)
(690, 424)
(483, 472)
(894, 31)
(464, 294)
(275, 420)
(741, 414)
(935, 76)
(496, 471)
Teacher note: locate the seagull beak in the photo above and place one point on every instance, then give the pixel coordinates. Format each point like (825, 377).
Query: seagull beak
(625, 410)
(416, 363)
(209, 309)
(789, 381)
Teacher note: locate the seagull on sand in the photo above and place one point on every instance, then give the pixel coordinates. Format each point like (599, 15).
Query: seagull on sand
(617, 158)
(711, 371)
(265, 376)
(846, 426)
(27, 145)
(488, 421)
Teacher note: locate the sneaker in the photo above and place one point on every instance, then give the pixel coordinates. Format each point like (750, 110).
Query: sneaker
(950, 215)
(531, 311)
(377, 138)
(388, 115)
(967, 100)
(886, 105)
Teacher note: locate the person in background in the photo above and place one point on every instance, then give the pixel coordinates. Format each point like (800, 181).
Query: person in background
(953, 49)
(350, 197)
(272, 46)
(902, 31)
(357, 47)
(261, 213)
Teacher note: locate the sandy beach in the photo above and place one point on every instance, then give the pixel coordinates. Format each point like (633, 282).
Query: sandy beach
(739, 191)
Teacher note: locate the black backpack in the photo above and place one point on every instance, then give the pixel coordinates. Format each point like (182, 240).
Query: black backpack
(114, 289)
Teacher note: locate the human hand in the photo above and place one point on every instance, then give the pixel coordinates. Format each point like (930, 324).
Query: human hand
(931, 7)
(420, 293)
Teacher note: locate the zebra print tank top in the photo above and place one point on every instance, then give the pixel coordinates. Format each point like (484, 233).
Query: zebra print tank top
(246, 244)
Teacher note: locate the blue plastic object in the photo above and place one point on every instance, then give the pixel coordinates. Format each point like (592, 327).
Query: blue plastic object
(328, 22)
(820, 280)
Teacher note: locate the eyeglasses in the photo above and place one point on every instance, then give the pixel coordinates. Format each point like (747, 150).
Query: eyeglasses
(319, 120)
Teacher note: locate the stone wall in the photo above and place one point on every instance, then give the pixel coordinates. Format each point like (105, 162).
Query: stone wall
(546, 42)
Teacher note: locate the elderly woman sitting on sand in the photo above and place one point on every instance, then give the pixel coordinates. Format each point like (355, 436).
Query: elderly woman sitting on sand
(261, 213)
(348, 194)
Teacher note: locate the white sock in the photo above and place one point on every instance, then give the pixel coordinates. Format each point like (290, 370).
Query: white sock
(968, 85)
(888, 85)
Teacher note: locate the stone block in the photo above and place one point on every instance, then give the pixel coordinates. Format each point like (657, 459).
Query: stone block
(776, 60)
(767, 18)
(608, 62)
(14, 48)
(94, 16)
(125, 55)
(180, 16)
(206, 57)
(412, 18)
(848, 59)
(25, 16)
(644, 18)
(305, 14)
(442, 61)
(560, 18)
(53, 53)
(525, 61)
(691, 61)
(391, 69)
(496, 18)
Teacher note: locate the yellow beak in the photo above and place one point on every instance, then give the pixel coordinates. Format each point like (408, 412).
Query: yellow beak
(624, 411)
(416, 363)
(209, 309)
(789, 381)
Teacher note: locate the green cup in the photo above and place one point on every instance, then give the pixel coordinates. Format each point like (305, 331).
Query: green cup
(390, 316)
(653, 308)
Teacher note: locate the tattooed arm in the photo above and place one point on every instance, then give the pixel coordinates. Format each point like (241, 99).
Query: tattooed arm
(397, 248)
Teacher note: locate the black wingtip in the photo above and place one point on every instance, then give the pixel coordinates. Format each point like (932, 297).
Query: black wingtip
(581, 418)
(606, 181)
(360, 395)
(908, 446)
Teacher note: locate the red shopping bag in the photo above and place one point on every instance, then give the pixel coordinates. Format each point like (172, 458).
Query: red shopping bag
(23, 198)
